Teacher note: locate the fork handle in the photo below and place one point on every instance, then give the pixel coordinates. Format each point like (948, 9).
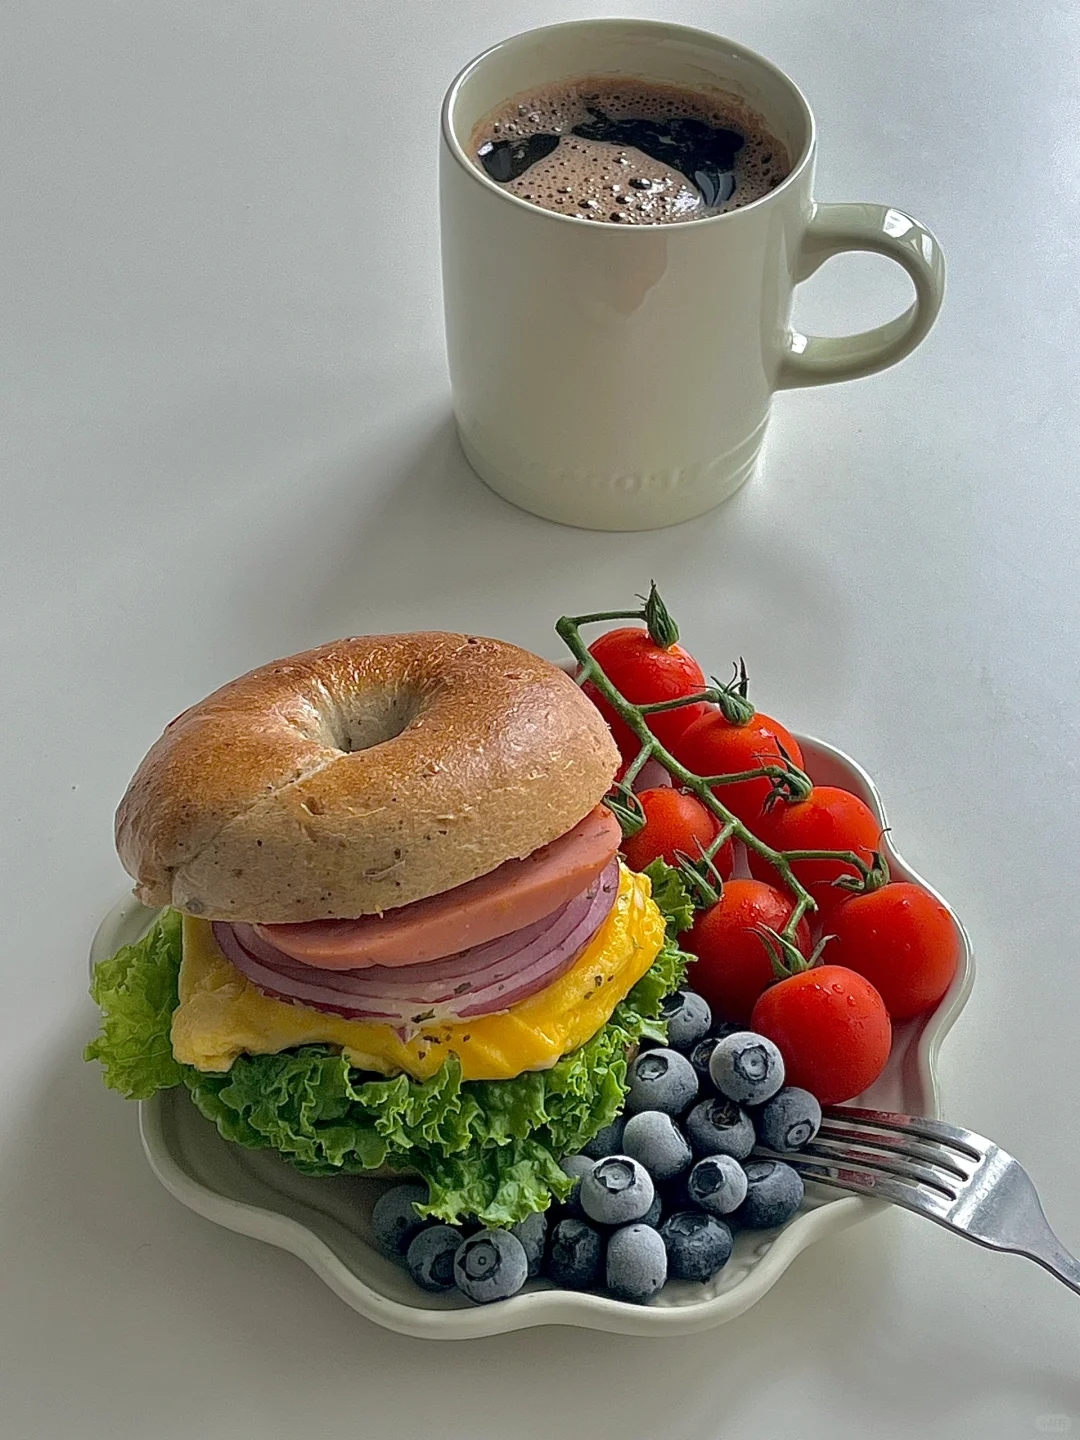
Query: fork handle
(1053, 1256)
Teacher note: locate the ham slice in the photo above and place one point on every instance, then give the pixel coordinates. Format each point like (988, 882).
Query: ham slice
(516, 894)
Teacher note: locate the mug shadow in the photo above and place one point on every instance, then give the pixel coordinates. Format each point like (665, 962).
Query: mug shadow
(403, 535)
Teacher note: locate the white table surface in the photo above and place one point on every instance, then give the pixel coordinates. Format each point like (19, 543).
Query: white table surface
(225, 437)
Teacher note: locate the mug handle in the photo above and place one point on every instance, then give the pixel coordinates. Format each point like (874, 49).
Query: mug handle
(820, 359)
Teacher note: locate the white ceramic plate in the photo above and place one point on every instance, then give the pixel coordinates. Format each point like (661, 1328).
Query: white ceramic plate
(325, 1221)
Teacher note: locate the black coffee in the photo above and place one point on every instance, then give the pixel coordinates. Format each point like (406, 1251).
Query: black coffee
(629, 151)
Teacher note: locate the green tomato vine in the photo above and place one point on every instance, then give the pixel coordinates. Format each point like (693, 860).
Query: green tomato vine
(789, 783)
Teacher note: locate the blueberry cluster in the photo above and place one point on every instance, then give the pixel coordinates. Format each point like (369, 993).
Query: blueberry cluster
(658, 1193)
(483, 1264)
(661, 1191)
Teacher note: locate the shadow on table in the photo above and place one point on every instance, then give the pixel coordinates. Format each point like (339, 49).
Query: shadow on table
(422, 537)
(402, 534)
(147, 1319)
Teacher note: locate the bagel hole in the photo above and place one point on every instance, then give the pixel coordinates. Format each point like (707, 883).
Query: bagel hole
(371, 719)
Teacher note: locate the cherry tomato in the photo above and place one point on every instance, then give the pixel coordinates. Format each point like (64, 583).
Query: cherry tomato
(828, 819)
(733, 965)
(645, 673)
(831, 1027)
(902, 940)
(675, 821)
(713, 746)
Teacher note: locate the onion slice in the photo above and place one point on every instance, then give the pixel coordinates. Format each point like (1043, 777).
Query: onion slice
(482, 980)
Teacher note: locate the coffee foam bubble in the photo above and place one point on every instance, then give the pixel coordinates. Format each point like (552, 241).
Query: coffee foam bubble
(594, 180)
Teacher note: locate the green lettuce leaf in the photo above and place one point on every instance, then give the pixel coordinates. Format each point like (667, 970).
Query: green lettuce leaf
(499, 1184)
(672, 896)
(485, 1148)
(136, 992)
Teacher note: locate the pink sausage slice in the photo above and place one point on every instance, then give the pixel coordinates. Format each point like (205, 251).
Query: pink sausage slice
(518, 893)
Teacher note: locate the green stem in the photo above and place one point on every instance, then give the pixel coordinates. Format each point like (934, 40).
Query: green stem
(763, 772)
(707, 696)
(637, 764)
(723, 835)
(847, 857)
(795, 918)
(568, 628)
(602, 615)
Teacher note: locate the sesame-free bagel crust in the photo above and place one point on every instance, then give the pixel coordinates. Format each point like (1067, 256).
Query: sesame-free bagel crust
(360, 776)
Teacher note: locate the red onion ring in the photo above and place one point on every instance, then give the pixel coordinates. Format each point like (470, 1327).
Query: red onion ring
(482, 980)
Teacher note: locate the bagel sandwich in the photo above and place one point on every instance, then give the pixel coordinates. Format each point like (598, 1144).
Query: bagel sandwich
(393, 931)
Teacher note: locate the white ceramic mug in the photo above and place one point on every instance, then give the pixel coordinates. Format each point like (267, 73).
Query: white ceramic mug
(620, 377)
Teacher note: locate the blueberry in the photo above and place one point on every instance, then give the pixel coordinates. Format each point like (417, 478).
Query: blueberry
(607, 1141)
(636, 1263)
(774, 1193)
(653, 1138)
(577, 1166)
(789, 1120)
(661, 1080)
(720, 1127)
(394, 1219)
(490, 1265)
(575, 1257)
(697, 1245)
(747, 1068)
(701, 1053)
(616, 1189)
(532, 1232)
(699, 1058)
(430, 1257)
(688, 1018)
(717, 1184)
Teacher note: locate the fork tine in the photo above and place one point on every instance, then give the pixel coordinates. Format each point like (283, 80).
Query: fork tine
(975, 1147)
(893, 1144)
(996, 1205)
(848, 1155)
(878, 1187)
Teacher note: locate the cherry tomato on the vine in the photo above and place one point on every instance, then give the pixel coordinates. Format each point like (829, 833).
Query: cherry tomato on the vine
(828, 819)
(646, 673)
(675, 821)
(902, 940)
(733, 965)
(831, 1027)
(713, 746)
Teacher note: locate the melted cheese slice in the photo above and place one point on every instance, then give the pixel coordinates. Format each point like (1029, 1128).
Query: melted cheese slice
(222, 1014)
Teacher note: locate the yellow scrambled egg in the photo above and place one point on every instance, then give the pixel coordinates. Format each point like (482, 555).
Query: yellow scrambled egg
(222, 1014)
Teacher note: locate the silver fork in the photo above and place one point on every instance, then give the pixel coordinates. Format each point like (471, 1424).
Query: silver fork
(952, 1176)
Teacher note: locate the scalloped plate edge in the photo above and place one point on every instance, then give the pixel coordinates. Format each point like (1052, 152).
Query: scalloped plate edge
(129, 918)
